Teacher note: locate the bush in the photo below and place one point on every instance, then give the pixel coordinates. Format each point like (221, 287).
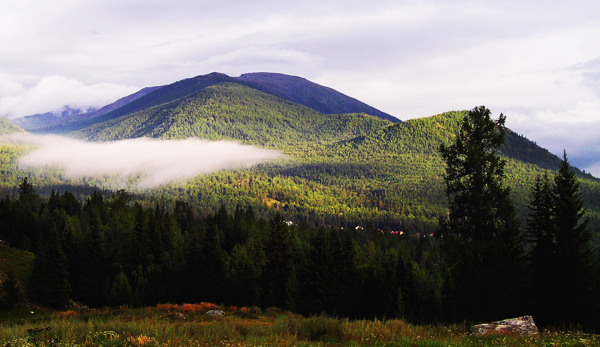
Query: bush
(320, 328)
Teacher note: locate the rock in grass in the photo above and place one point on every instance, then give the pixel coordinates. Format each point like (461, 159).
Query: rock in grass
(514, 326)
(215, 313)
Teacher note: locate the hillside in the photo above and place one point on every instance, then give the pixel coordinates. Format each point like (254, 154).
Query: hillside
(309, 94)
(7, 126)
(233, 111)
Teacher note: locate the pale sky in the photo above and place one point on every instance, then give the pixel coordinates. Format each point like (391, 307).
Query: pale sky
(538, 62)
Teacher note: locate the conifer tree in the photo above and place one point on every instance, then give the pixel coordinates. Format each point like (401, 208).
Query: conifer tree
(10, 290)
(247, 267)
(574, 253)
(482, 234)
(541, 233)
(207, 266)
(120, 291)
(50, 274)
(562, 257)
(318, 275)
(281, 281)
(94, 267)
(27, 195)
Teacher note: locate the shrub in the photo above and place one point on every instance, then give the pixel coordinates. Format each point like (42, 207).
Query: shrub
(321, 328)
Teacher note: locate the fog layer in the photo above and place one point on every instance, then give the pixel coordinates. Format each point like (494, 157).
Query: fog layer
(157, 161)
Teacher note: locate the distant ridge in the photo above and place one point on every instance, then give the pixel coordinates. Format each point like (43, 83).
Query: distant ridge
(304, 92)
(71, 115)
(42, 120)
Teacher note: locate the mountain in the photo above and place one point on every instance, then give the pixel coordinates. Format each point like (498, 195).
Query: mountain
(295, 89)
(309, 94)
(235, 112)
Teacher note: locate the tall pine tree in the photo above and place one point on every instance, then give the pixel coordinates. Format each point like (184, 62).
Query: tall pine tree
(281, 287)
(562, 257)
(50, 274)
(574, 253)
(481, 236)
(541, 234)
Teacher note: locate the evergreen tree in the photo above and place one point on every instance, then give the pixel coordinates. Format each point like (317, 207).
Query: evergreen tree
(120, 291)
(247, 268)
(318, 275)
(207, 266)
(574, 253)
(27, 195)
(281, 281)
(50, 275)
(541, 233)
(10, 290)
(213, 265)
(482, 234)
(562, 257)
(94, 267)
(140, 251)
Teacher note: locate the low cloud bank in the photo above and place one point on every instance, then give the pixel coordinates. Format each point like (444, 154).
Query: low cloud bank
(157, 161)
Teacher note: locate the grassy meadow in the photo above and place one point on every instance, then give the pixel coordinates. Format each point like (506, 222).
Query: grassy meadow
(190, 325)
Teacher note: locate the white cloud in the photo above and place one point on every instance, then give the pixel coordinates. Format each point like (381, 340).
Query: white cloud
(53, 92)
(158, 161)
(593, 169)
(574, 130)
(10, 85)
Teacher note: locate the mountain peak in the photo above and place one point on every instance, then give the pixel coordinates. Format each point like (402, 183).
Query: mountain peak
(270, 76)
(215, 74)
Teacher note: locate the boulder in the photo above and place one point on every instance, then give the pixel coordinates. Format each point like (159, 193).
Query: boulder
(514, 326)
(215, 313)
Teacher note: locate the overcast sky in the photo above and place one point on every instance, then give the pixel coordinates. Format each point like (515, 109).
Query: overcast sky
(538, 62)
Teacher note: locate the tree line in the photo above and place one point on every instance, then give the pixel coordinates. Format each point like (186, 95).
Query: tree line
(111, 251)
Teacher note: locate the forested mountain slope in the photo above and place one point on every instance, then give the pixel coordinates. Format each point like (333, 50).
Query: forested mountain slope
(233, 111)
(7, 126)
(307, 93)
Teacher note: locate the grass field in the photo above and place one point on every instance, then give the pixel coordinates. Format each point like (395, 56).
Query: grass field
(190, 325)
